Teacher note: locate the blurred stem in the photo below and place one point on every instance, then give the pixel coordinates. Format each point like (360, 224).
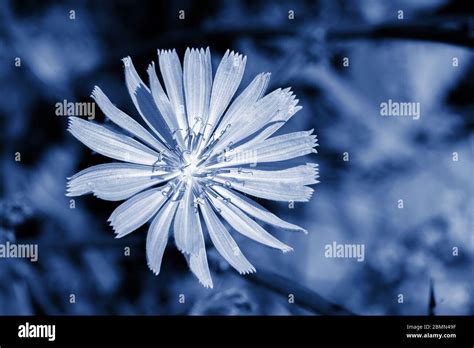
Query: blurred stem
(303, 296)
(432, 300)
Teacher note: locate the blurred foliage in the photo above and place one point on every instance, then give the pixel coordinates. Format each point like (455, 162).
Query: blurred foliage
(356, 202)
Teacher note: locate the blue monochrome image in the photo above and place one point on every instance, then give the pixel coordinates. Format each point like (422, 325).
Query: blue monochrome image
(166, 160)
(204, 155)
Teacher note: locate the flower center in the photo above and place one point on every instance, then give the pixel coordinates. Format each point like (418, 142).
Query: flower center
(189, 167)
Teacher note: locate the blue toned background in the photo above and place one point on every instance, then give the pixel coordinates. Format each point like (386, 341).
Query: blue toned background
(408, 251)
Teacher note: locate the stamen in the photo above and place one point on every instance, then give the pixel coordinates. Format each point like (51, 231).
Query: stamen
(241, 171)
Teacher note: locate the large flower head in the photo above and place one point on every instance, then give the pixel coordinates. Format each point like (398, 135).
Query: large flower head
(193, 169)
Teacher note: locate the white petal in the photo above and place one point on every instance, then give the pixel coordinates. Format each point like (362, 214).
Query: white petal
(144, 103)
(197, 84)
(189, 237)
(125, 121)
(161, 100)
(271, 109)
(245, 225)
(272, 127)
(112, 144)
(172, 73)
(277, 191)
(187, 226)
(227, 80)
(115, 181)
(223, 241)
(254, 209)
(279, 148)
(200, 267)
(243, 103)
(157, 236)
(136, 211)
(299, 175)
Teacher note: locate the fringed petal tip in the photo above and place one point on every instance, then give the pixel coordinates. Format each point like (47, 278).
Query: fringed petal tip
(265, 78)
(153, 270)
(70, 190)
(193, 50)
(70, 186)
(287, 94)
(70, 121)
(118, 232)
(207, 285)
(126, 61)
(75, 123)
(307, 193)
(314, 143)
(182, 251)
(234, 55)
(296, 109)
(162, 52)
(313, 172)
(151, 68)
(96, 93)
(248, 271)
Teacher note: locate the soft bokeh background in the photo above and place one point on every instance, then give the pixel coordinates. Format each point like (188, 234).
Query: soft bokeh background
(406, 250)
